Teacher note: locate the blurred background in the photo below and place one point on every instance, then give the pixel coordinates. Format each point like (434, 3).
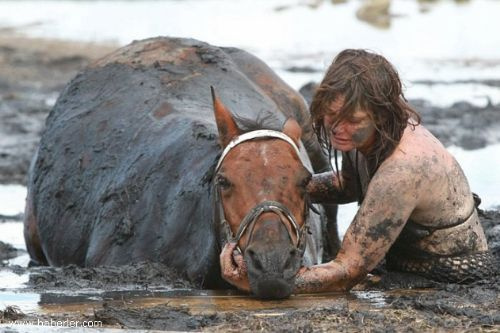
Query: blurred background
(447, 53)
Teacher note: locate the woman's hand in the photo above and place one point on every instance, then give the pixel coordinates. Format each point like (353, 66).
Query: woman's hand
(325, 187)
(326, 277)
(233, 267)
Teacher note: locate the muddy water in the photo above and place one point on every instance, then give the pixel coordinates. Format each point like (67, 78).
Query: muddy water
(81, 293)
(149, 296)
(195, 301)
(46, 293)
(59, 295)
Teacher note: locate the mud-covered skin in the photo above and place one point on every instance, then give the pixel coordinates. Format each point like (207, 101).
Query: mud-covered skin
(420, 182)
(355, 130)
(128, 150)
(329, 187)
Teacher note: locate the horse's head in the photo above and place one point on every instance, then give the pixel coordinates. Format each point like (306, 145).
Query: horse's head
(260, 200)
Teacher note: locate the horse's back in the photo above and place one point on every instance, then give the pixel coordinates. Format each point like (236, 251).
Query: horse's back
(123, 169)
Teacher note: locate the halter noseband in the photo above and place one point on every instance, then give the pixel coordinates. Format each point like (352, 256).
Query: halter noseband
(249, 221)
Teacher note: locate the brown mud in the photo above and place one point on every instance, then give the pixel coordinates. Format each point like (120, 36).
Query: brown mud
(7, 251)
(151, 296)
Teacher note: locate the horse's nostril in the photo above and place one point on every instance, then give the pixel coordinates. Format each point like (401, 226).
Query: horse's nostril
(255, 260)
(257, 264)
(290, 262)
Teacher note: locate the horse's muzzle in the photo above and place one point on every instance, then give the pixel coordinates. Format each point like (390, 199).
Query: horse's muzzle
(272, 269)
(273, 288)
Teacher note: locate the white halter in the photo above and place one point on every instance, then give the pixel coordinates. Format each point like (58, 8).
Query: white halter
(252, 135)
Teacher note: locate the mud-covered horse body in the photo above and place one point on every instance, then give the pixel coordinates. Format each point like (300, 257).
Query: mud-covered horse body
(123, 172)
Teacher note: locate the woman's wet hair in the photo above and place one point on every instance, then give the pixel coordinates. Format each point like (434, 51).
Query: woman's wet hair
(367, 81)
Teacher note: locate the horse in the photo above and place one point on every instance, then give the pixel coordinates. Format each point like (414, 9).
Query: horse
(132, 166)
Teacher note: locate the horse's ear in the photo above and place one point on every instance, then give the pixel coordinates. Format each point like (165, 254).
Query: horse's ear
(226, 125)
(293, 130)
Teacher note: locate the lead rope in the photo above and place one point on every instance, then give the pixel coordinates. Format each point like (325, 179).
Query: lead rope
(223, 224)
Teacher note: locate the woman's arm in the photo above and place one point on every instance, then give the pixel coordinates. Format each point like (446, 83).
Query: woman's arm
(330, 187)
(390, 199)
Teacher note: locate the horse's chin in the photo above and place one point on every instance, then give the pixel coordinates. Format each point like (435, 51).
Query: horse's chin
(272, 288)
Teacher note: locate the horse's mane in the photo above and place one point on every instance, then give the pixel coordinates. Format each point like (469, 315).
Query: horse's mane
(263, 121)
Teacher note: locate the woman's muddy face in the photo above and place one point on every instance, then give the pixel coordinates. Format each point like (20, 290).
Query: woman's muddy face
(355, 131)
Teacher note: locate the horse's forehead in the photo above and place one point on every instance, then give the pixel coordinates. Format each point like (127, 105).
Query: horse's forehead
(267, 153)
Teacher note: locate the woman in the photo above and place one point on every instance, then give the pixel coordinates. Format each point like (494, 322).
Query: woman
(415, 206)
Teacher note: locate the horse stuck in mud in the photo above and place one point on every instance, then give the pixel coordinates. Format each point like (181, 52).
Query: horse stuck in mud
(133, 166)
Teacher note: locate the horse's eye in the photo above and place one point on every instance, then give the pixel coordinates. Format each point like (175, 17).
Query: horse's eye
(223, 182)
(303, 183)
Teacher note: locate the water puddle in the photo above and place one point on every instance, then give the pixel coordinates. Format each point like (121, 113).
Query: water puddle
(40, 307)
(195, 301)
(26, 302)
(11, 280)
(11, 200)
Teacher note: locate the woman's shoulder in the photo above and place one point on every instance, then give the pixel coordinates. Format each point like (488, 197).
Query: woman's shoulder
(420, 155)
(418, 144)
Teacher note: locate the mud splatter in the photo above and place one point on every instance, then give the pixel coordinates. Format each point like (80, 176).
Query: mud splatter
(142, 275)
(7, 251)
